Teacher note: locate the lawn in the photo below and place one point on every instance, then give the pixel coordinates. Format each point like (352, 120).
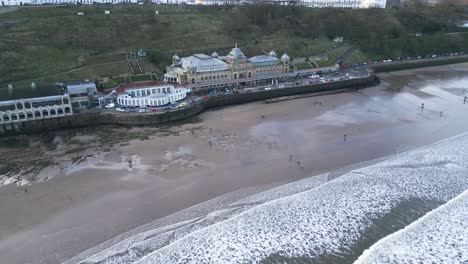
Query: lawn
(302, 66)
(53, 44)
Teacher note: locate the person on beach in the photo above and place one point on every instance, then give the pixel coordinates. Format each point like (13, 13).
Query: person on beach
(422, 107)
(262, 116)
(210, 130)
(441, 114)
(464, 102)
(25, 190)
(344, 137)
(130, 164)
(290, 157)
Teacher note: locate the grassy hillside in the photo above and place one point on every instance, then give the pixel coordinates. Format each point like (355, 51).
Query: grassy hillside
(48, 44)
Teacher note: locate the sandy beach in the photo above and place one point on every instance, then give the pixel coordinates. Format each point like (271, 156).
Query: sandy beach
(88, 192)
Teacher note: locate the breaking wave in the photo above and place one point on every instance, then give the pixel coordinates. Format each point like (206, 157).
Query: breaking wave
(311, 220)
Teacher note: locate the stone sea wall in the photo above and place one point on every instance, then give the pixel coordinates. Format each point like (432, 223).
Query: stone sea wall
(413, 64)
(141, 119)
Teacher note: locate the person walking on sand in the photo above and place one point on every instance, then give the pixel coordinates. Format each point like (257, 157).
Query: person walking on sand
(130, 164)
(422, 107)
(464, 102)
(344, 137)
(441, 114)
(210, 130)
(290, 157)
(262, 116)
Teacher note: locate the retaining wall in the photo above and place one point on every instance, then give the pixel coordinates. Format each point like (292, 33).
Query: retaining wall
(413, 64)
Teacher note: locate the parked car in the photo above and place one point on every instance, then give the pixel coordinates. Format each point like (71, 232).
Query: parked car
(281, 86)
(110, 105)
(141, 110)
(183, 104)
(118, 109)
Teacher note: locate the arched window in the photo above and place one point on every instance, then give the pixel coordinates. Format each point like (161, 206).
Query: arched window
(45, 112)
(60, 111)
(67, 110)
(53, 112)
(6, 118)
(27, 105)
(29, 115)
(14, 117)
(37, 114)
(19, 106)
(65, 100)
(22, 116)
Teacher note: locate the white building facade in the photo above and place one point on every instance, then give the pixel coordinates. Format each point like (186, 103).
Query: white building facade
(63, 2)
(22, 110)
(307, 3)
(158, 95)
(355, 4)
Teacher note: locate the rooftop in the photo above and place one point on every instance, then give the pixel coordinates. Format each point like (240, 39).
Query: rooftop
(35, 99)
(78, 82)
(236, 53)
(263, 58)
(202, 61)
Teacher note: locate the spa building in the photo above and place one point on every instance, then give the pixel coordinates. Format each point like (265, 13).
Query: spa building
(201, 71)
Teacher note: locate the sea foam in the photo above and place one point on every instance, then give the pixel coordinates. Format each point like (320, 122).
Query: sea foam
(441, 236)
(324, 218)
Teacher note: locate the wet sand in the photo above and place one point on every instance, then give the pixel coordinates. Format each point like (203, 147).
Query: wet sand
(187, 164)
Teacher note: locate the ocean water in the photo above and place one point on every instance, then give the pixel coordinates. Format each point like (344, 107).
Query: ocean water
(441, 236)
(316, 220)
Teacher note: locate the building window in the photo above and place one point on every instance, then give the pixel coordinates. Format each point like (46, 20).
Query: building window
(193, 80)
(235, 75)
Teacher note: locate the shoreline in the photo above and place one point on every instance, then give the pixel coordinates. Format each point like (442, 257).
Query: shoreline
(176, 167)
(143, 119)
(97, 119)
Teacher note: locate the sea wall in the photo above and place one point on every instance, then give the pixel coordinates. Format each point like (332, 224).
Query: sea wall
(140, 119)
(421, 63)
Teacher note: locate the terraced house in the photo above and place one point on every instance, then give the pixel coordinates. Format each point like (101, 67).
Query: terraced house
(201, 71)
